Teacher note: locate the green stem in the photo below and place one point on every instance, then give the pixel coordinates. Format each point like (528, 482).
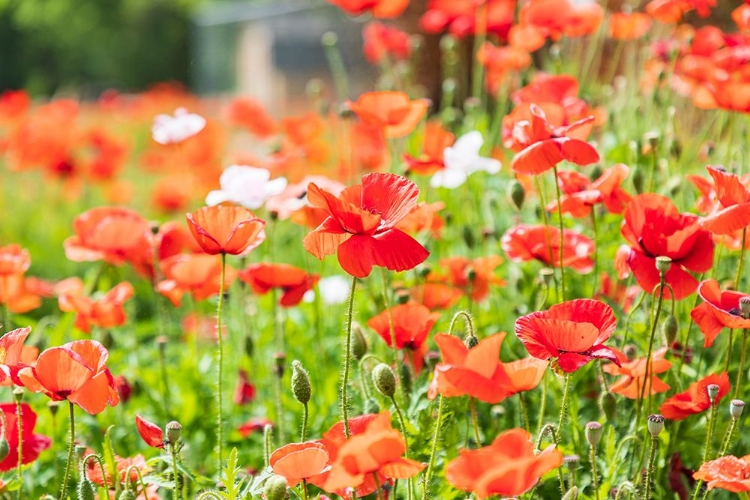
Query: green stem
(71, 447)
(543, 404)
(524, 412)
(562, 237)
(304, 487)
(469, 322)
(402, 423)
(433, 450)
(740, 265)
(347, 359)
(278, 392)
(710, 432)
(741, 371)
(175, 473)
(650, 469)
(654, 323)
(596, 249)
(219, 410)
(475, 421)
(305, 415)
(564, 404)
(727, 442)
(539, 188)
(594, 475)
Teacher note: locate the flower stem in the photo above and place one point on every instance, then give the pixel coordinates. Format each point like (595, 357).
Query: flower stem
(305, 415)
(475, 420)
(71, 447)
(727, 442)
(741, 370)
(175, 472)
(524, 412)
(710, 431)
(594, 475)
(738, 278)
(596, 248)
(304, 487)
(650, 468)
(654, 323)
(546, 225)
(219, 410)
(433, 450)
(469, 323)
(562, 237)
(347, 359)
(402, 423)
(564, 404)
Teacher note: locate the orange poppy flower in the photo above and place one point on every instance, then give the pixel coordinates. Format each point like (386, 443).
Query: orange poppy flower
(573, 332)
(297, 461)
(423, 217)
(695, 399)
(473, 277)
(500, 61)
(19, 294)
(226, 229)
(633, 375)
(123, 466)
(13, 105)
(198, 274)
(251, 115)
(556, 95)
(377, 449)
(616, 291)
(740, 16)
(581, 194)
(392, 112)
(475, 372)
(733, 210)
(151, 433)
(523, 243)
(104, 312)
(112, 234)
(14, 260)
(726, 473)
(171, 194)
(378, 8)
(75, 371)
(436, 295)
(554, 18)
(671, 11)
(293, 281)
(436, 139)
(525, 373)
(541, 146)
(707, 194)
(382, 41)
(508, 467)
(12, 353)
(629, 26)
(654, 227)
(412, 323)
(719, 310)
(361, 225)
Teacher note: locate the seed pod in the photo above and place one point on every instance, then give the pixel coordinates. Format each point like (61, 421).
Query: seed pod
(384, 380)
(174, 430)
(663, 264)
(713, 391)
(669, 328)
(516, 193)
(275, 488)
(655, 424)
(735, 408)
(593, 433)
(301, 386)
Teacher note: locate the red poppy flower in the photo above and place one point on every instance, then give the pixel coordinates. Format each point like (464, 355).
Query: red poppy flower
(245, 392)
(463, 17)
(581, 194)
(255, 424)
(726, 473)
(123, 466)
(508, 467)
(198, 274)
(733, 212)
(226, 229)
(501, 61)
(654, 227)
(75, 371)
(297, 461)
(424, 217)
(473, 277)
(436, 295)
(615, 291)
(412, 323)
(151, 433)
(671, 11)
(250, 114)
(104, 312)
(33, 444)
(378, 8)
(523, 243)
(382, 41)
(361, 225)
(392, 112)
(695, 399)
(629, 26)
(740, 16)
(293, 281)
(542, 146)
(633, 375)
(719, 310)
(12, 353)
(475, 372)
(573, 332)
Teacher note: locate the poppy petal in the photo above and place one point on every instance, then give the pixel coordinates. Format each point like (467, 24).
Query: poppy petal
(397, 251)
(390, 195)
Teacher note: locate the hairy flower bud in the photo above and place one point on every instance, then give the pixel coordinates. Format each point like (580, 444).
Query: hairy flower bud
(279, 364)
(174, 430)
(516, 193)
(670, 328)
(359, 343)
(384, 380)
(275, 488)
(608, 404)
(470, 341)
(4, 447)
(572, 494)
(86, 490)
(301, 386)
(593, 433)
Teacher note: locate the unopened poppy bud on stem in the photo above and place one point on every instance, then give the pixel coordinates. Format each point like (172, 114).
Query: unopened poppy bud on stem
(547, 275)
(593, 433)
(663, 264)
(4, 446)
(384, 380)
(713, 391)
(608, 403)
(174, 430)
(18, 394)
(279, 364)
(301, 386)
(735, 408)
(359, 343)
(572, 494)
(516, 193)
(655, 424)
(670, 328)
(275, 488)
(470, 341)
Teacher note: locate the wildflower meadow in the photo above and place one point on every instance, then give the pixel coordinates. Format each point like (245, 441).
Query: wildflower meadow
(527, 280)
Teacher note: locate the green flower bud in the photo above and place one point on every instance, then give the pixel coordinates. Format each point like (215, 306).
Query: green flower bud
(249, 346)
(86, 490)
(608, 404)
(516, 193)
(655, 424)
(384, 380)
(735, 408)
(174, 430)
(572, 494)
(126, 495)
(301, 387)
(4, 447)
(470, 341)
(638, 180)
(669, 328)
(359, 343)
(405, 373)
(275, 488)
(595, 173)
(593, 433)
(468, 236)
(279, 364)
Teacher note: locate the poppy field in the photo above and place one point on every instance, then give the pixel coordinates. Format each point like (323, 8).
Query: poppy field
(529, 281)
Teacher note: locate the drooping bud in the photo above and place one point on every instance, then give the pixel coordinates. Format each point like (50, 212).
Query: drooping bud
(670, 328)
(593, 433)
(384, 380)
(608, 404)
(663, 264)
(655, 424)
(275, 488)
(516, 193)
(301, 386)
(713, 391)
(174, 430)
(735, 408)
(359, 343)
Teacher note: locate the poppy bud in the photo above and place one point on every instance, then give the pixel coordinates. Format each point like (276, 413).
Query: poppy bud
(713, 391)
(663, 264)
(593, 433)
(572, 461)
(371, 406)
(655, 424)
(249, 346)
(470, 341)
(608, 404)
(18, 395)
(405, 374)
(402, 297)
(468, 236)
(638, 180)
(735, 408)
(547, 275)
(279, 364)
(572, 494)
(431, 359)
(4, 447)
(301, 387)
(745, 307)
(53, 406)
(424, 271)
(126, 495)
(516, 193)
(108, 340)
(384, 380)
(471, 274)
(359, 343)
(86, 490)
(630, 351)
(329, 39)
(595, 173)
(669, 328)
(174, 430)
(275, 488)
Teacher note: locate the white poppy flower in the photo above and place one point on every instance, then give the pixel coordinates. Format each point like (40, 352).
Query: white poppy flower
(463, 159)
(246, 186)
(168, 129)
(333, 290)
